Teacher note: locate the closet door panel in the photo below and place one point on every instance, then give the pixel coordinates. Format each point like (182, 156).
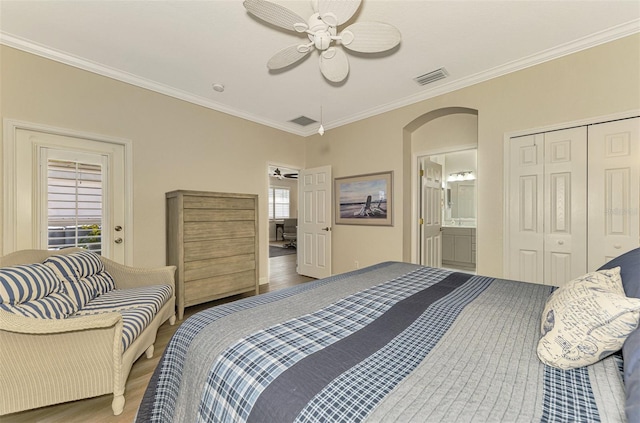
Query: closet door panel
(565, 205)
(526, 208)
(614, 190)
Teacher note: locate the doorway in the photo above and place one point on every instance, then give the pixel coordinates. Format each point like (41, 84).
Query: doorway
(283, 206)
(448, 210)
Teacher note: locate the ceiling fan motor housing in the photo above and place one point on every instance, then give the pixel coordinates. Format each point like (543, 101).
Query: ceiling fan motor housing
(320, 33)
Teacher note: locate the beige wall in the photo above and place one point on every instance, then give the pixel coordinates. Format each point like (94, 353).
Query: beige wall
(176, 145)
(596, 82)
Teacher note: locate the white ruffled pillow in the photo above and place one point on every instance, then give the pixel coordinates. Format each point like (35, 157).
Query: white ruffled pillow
(587, 320)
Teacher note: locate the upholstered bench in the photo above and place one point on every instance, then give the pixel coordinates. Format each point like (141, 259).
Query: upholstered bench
(72, 323)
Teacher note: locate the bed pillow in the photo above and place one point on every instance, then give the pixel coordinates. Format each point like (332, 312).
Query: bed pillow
(587, 320)
(631, 355)
(629, 264)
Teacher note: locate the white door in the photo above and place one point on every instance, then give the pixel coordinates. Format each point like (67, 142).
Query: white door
(526, 217)
(431, 237)
(547, 207)
(614, 190)
(565, 205)
(33, 151)
(315, 191)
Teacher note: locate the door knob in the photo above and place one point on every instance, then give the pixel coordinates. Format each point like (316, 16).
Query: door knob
(326, 229)
(118, 240)
(118, 228)
(617, 246)
(561, 242)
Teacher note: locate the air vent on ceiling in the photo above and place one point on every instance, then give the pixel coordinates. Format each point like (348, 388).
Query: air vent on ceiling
(430, 77)
(303, 121)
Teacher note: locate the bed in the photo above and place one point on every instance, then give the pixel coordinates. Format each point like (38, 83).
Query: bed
(394, 342)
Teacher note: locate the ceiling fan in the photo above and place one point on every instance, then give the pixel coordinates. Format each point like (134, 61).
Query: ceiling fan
(321, 29)
(277, 173)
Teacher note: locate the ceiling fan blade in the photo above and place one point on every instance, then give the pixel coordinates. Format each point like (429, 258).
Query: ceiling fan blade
(276, 15)
(334, 64)
(337, 12)
(370, 37)
(286, 57)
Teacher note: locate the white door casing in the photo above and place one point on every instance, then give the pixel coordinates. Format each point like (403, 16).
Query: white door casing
(315, 188)
(23, 199)
(431, 210)
(614, 190)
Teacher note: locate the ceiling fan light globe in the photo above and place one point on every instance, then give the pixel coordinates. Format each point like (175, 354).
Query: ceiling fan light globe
(330, 19)
(346, 37)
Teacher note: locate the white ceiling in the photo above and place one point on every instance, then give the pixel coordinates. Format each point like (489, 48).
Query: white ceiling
(181, 48)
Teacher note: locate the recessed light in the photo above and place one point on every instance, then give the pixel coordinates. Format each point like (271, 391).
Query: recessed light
(218, 87)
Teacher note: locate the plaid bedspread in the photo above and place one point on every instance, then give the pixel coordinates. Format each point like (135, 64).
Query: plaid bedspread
(393, 342)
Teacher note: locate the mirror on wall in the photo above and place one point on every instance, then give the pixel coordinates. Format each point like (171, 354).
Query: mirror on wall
(459, 188)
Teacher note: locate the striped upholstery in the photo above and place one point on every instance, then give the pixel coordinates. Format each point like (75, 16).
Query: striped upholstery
(34, 291)
(137, 306)
(27, 282)
(101, 282)
(83, 275)
(80, 292)
(75, 266)
(57, 305)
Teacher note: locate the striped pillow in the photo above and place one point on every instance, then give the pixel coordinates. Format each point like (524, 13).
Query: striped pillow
(75, 266)
(22, 283)
(57, 305)
(80, 292)
(101, 282)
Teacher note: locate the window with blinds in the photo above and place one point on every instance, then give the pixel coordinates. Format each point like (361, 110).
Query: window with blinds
(278, 203)
(74, 201)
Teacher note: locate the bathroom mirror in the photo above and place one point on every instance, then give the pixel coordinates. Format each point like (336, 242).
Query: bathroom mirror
(461, 199)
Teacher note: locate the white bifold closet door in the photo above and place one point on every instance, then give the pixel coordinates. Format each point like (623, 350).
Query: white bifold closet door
(548, 206)
(574, 200)
(614, 190)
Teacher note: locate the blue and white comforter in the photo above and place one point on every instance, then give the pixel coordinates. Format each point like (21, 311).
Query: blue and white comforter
(393, 342)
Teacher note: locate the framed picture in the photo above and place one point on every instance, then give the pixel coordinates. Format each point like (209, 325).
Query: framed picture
(364, 199)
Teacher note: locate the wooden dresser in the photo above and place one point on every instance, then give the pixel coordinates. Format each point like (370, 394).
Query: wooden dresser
(212, 238)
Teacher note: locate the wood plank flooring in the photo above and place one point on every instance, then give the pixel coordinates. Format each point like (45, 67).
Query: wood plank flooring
(97, 410)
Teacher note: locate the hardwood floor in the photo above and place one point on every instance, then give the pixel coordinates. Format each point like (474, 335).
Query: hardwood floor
(97, 410)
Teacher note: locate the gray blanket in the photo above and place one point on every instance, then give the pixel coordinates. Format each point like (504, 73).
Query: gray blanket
(394, 342)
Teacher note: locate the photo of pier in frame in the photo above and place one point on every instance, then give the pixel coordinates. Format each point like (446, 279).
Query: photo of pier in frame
(364, 199)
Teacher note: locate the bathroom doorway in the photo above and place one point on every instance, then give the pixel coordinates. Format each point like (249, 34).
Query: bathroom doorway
(448, 204)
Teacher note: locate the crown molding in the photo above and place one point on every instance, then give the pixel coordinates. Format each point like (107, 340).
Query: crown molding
(575, 46)
(84, 64)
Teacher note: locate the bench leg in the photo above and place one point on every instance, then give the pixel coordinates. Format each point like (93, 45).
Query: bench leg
(172, 320)
(149, 351)
(117, 405)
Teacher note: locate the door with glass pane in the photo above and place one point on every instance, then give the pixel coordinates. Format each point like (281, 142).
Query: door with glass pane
(74, 216)
(70, 192)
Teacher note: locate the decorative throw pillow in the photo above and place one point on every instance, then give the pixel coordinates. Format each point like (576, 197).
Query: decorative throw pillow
(631, 354)
(629, 264)
(587, 320)
(23, 283)
(80, 292)
(75, 266)
(57, 305)
(83, 274)
(101, 282)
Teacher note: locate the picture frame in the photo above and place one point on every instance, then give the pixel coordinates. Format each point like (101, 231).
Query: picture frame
(364, 199)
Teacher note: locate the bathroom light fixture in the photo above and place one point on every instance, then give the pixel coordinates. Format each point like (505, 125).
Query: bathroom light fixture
(465, 175)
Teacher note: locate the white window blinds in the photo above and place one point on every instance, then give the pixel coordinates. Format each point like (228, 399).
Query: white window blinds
(278, 203)
(74, 204)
